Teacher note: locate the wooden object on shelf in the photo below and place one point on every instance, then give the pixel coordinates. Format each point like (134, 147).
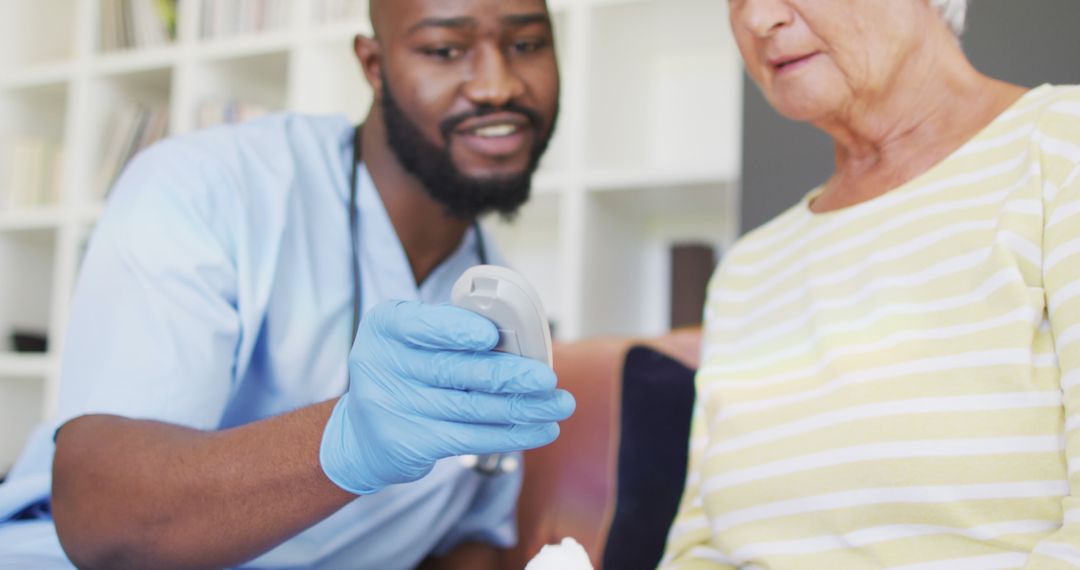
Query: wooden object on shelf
(692, 265)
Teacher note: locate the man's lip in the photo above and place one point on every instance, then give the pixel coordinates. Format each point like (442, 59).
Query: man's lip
(470, 125)
(500, 147)
(781, 61)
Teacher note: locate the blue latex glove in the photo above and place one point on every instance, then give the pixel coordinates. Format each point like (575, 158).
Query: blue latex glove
(423, 385)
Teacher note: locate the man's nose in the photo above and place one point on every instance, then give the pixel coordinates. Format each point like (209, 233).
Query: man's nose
(764, 17)
(493, 81)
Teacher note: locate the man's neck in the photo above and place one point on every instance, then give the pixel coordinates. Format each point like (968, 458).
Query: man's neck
(428, 234)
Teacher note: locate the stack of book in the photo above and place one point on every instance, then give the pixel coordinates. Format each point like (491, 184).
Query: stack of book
(331, 11)
(134, 128)
(127, 24)
(223, 111)
(222, 18)
(31, 171)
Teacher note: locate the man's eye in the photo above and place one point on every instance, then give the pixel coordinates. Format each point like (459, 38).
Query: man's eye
(529, 46)
(444, 52)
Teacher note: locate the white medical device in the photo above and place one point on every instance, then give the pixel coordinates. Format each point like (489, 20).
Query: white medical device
(505, 297)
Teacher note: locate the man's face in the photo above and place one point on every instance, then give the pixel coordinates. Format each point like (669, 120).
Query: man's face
(469, 95)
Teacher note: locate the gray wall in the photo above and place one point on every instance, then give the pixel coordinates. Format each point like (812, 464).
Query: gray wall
(1029, 42)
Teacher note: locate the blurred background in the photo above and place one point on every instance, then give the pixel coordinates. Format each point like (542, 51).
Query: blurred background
(638, 197)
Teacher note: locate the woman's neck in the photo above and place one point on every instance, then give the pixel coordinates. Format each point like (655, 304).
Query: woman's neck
(936, 103)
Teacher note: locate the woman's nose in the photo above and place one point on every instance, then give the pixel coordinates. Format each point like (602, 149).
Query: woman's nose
(764, 17)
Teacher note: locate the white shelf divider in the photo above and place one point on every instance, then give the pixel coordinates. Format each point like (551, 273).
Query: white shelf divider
(40, 75)
(45, 218)
(26, 365)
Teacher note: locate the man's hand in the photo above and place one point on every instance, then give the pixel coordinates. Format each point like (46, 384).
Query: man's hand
(425, 386)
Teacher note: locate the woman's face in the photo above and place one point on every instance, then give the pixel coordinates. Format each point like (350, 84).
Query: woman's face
(817, 58)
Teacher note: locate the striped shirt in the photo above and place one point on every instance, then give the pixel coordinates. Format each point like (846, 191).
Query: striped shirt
(897, 384)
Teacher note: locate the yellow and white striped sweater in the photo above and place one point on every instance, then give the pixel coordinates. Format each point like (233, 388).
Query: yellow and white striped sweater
(897, 384)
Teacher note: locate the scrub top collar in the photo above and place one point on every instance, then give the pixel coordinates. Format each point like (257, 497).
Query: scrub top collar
(385, 267)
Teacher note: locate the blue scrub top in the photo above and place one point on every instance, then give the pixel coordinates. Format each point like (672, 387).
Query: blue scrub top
(217, 291)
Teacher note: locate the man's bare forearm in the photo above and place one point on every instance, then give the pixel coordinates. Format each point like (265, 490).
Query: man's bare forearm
(133, 493)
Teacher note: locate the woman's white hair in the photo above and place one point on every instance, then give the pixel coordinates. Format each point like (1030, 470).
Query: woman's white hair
(953, 11)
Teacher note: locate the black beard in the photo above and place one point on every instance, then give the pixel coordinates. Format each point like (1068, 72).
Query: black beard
(464, 197)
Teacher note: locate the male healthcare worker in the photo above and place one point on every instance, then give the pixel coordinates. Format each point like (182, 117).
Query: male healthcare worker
(202, 422)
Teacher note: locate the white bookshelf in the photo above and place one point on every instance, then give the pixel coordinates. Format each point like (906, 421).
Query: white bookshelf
(646, 153)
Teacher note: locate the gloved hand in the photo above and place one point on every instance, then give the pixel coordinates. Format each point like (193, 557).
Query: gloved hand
(423, 385)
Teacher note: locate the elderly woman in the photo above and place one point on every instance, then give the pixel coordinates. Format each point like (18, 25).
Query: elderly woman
(891, 368)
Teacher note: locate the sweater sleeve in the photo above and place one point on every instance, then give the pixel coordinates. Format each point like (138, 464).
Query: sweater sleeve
(1058, 143)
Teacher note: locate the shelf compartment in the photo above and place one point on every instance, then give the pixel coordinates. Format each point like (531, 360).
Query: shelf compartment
(21, 407)
(627, 264)
(38, 110)
(27, 264)
(333, 13)
(32, 158)
(250, 85)
(339, 20)
(221, 19)
(133, 26)
(36, 32)
(128, 112)
(672, 102)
